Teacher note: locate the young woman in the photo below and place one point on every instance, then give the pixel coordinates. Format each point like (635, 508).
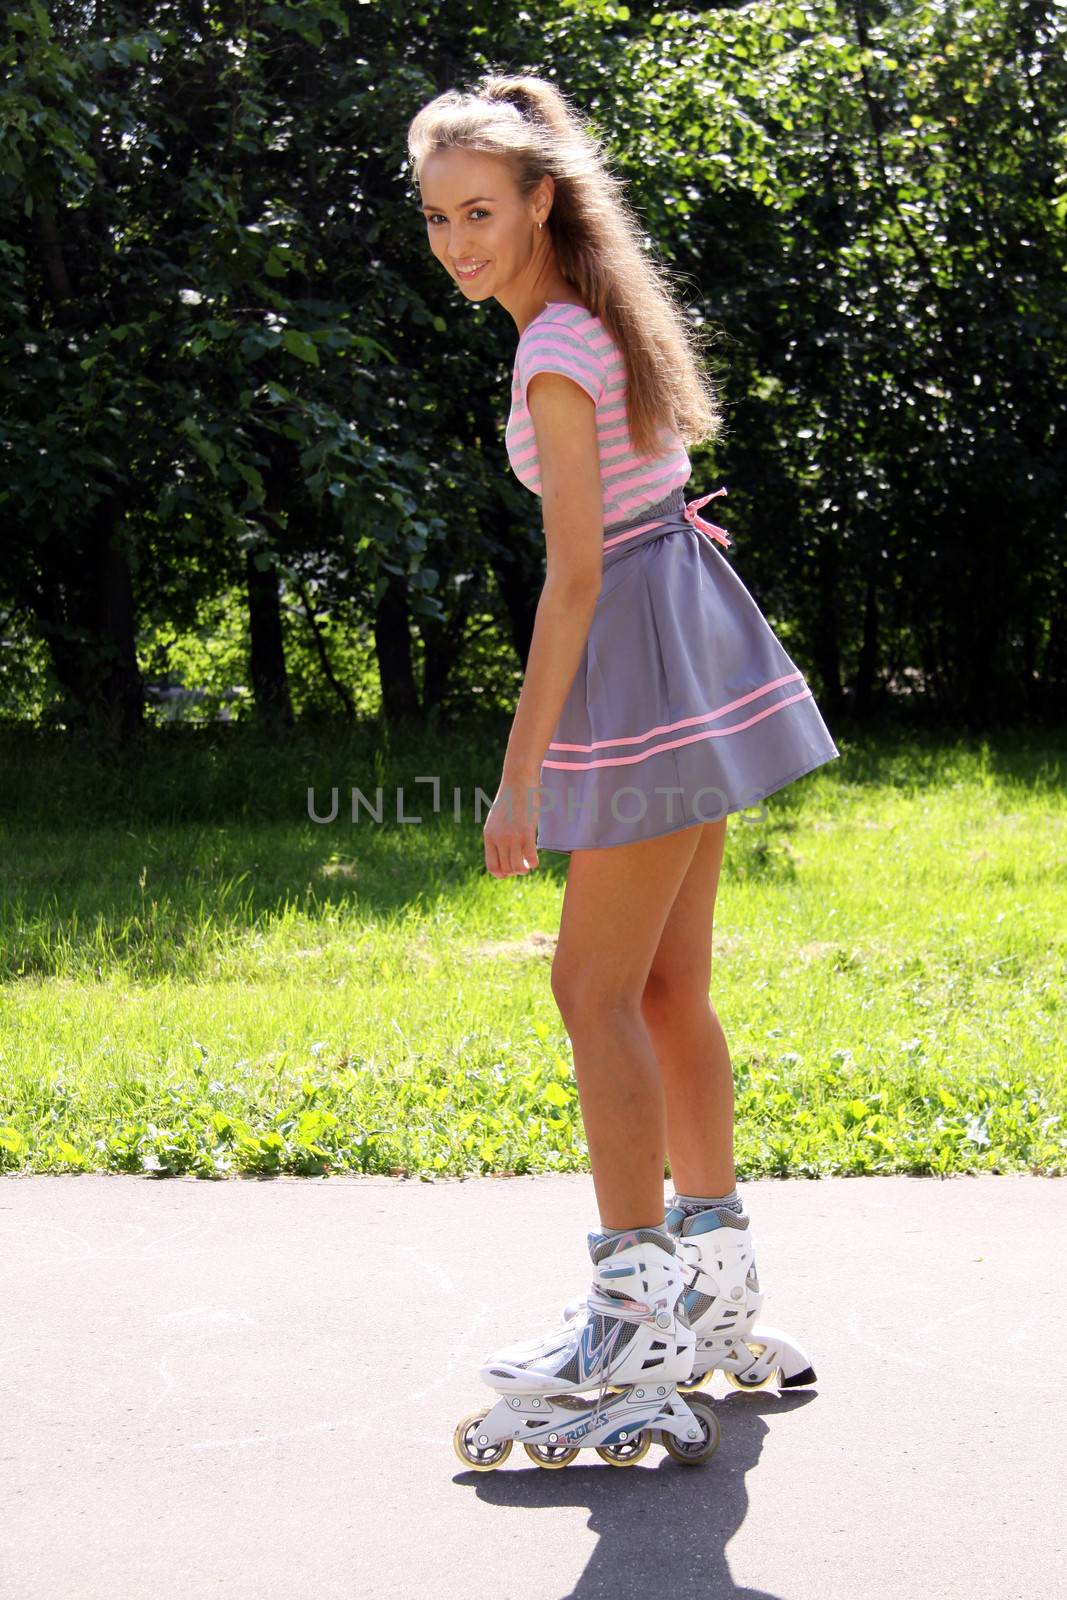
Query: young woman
(656, 700)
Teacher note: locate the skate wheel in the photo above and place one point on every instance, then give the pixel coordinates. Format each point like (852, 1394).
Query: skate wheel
(693, 1384)
(737, 1381)
(483, 1458)
(752, 1387)
(627, 1452)
(691, 1454)
(550, 1455)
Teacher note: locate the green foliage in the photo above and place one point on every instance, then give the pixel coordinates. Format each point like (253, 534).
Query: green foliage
(363, 1117)
(225, 341)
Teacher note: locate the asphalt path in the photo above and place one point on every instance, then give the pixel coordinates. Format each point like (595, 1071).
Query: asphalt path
(249, 1388)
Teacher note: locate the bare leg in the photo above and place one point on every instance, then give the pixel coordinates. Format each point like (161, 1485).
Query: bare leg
(688, 1038)
(615, 907)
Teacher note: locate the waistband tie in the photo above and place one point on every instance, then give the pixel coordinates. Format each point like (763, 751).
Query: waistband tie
(669, 515)
(709, 528)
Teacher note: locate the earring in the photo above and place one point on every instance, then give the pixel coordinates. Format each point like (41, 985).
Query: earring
(540, 225)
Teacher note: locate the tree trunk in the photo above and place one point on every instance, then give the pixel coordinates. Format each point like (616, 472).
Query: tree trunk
(392, 641)
(1051, 687)
(270, 682)
(519, 576)
(520, 590)
(827, 648)
(122, 702)
(84, 605)
(867, 665)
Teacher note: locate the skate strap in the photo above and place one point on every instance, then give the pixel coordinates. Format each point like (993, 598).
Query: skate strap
(628, 1310)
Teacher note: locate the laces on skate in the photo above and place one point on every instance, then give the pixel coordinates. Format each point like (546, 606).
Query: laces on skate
(605, 1303)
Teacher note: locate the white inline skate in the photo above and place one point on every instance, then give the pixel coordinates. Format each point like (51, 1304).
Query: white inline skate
(630, 1340)
(721, 1303)
(723, 1300)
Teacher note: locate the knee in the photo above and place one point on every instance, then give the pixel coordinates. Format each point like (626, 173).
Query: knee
(563, 979)
(670, 995)
(583, 997)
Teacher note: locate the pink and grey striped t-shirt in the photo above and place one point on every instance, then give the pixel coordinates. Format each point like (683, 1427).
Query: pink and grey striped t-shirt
(569, 339)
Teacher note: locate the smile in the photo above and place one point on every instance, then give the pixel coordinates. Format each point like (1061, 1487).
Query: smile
(470, 272)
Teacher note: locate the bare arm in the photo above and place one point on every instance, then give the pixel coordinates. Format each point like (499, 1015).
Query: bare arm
(564, 419)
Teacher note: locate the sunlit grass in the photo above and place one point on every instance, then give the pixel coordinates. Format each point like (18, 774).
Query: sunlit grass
(195, 977)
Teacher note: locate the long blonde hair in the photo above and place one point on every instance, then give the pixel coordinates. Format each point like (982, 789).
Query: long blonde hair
(598, 243)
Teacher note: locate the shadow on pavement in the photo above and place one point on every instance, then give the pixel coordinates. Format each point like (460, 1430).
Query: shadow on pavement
(664, 1527)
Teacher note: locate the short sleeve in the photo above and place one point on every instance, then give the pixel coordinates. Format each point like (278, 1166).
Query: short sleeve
(556, 347)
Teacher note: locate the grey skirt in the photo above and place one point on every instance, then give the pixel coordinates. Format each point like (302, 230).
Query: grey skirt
(684, 706)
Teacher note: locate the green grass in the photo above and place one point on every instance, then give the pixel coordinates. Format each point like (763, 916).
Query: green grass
(194, 977)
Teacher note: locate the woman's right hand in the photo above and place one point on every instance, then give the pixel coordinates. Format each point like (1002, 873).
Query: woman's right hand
(510, 831)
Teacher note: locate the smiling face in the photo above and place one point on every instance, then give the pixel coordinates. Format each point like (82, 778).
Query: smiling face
(480, 228)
